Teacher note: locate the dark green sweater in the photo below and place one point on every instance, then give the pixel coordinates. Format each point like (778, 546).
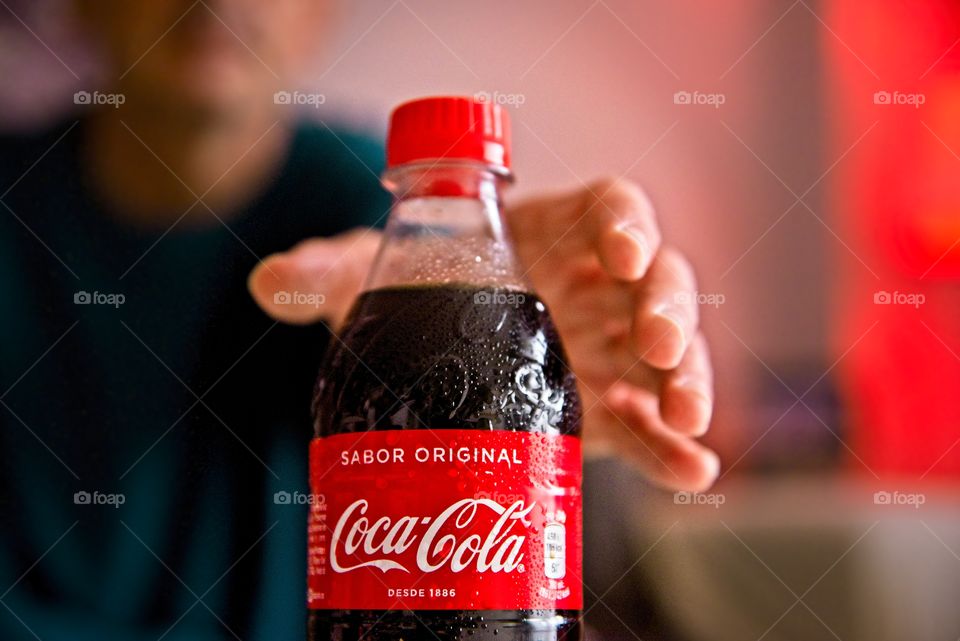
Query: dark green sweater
(102, 398)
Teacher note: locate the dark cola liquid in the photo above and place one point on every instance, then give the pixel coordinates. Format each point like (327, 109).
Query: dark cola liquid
(446, 357)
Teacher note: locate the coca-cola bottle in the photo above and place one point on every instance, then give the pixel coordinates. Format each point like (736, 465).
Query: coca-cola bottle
(445, 469)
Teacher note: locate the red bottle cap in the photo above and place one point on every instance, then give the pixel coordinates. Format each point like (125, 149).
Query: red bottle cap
(449, 128)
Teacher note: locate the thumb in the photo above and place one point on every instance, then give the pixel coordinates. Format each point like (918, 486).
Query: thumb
(317, 279)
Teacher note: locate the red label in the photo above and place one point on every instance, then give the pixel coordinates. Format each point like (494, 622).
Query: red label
(445, 520)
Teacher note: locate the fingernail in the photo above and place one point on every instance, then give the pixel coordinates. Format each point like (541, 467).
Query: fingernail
(674, 316)
(635, 234)
(712, 468)
(688, 382)
(695, 391)
(661, 339)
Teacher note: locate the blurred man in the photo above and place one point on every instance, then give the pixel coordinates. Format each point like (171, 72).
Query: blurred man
(153, 408)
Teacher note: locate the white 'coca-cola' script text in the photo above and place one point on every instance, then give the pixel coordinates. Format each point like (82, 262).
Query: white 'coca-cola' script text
(499, 550)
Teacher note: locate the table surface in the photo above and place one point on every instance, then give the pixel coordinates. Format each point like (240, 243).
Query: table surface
(804, 558)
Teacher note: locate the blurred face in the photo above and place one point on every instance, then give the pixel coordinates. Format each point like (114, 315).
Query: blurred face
(204, 57)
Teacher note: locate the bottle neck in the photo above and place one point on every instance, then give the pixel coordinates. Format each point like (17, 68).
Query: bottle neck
(447, 179)
(445, 228)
